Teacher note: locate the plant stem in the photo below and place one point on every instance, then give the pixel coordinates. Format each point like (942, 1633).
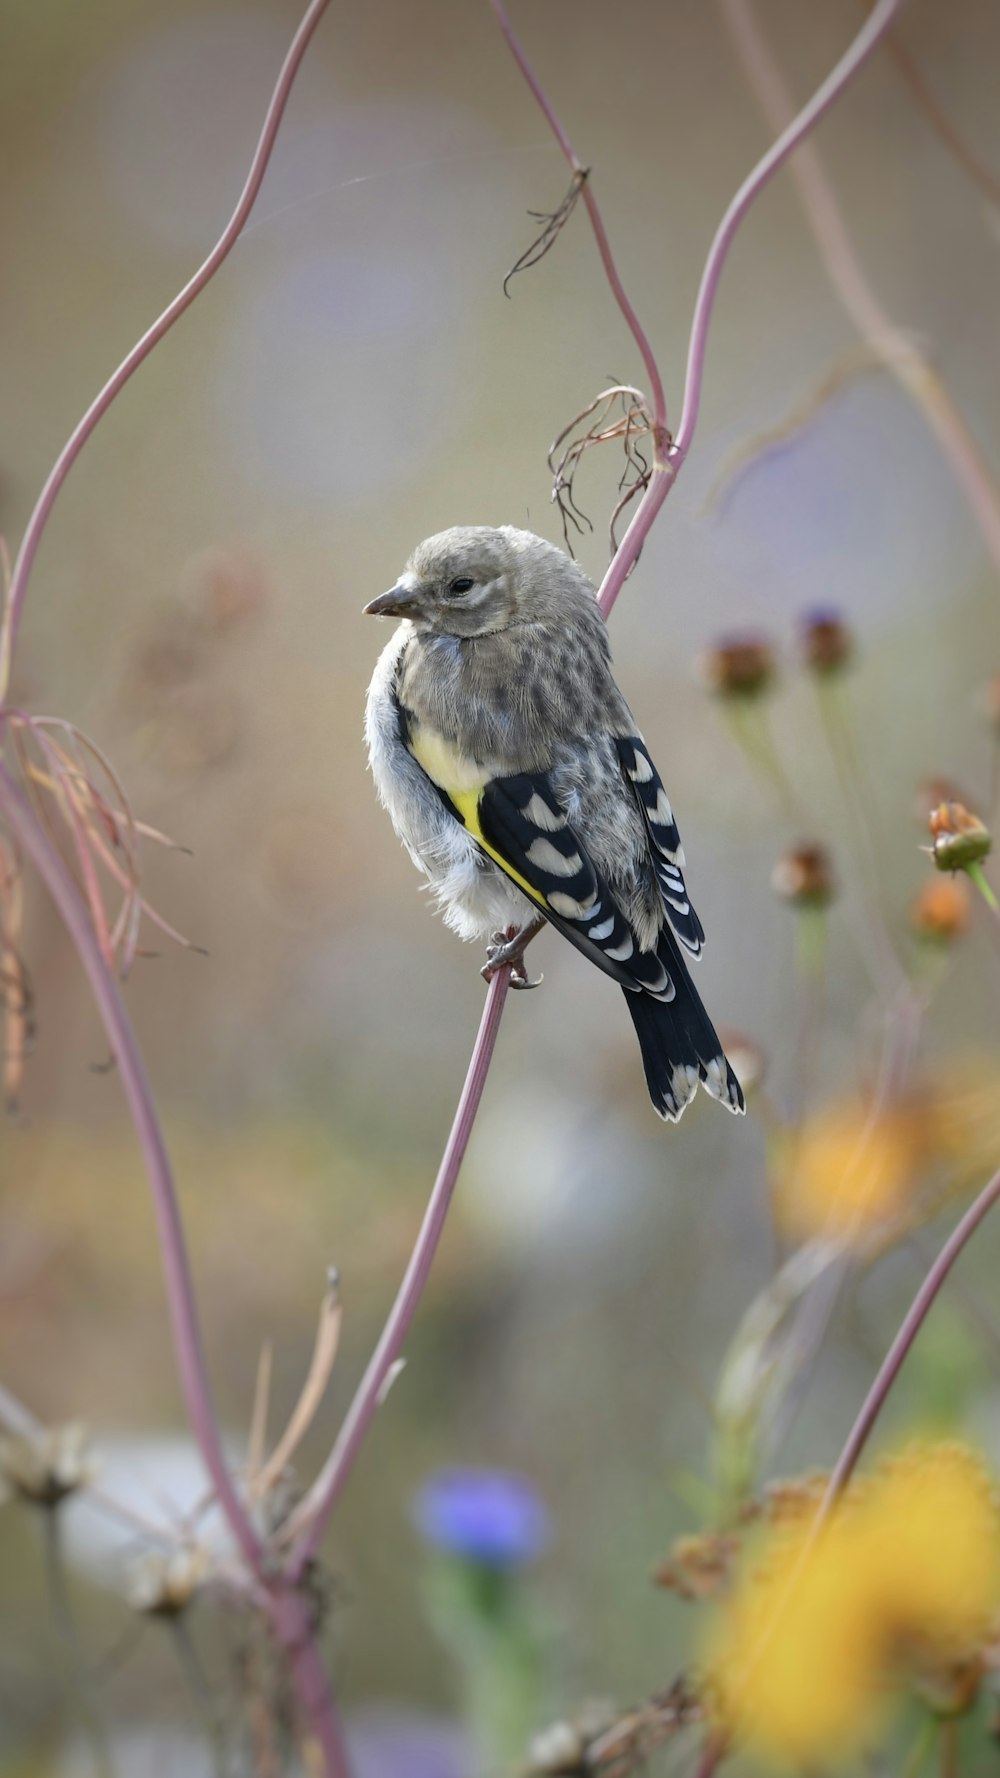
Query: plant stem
(894, 348)
(99, 406)
(899, 1350)
(312, 1516)
(37, 846)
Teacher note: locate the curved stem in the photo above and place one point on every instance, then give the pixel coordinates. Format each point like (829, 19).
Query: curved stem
(632, 321)
(36, 845)
(899, 1350)
(895, 350)
(665, 472)
(99, 406)
(310, 1519)
(874, 28)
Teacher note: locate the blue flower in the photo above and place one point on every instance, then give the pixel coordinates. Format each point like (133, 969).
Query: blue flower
(487, 1516)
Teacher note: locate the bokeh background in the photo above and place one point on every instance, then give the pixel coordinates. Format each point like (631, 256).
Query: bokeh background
(354, 379)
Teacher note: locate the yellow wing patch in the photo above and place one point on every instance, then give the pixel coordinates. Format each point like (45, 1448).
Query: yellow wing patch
(463, 781)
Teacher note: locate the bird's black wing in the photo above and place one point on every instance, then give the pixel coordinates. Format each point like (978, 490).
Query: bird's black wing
(667, 853)
(519, 823)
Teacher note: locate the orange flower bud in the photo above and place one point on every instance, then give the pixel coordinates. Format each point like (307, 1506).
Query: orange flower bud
(941, 911)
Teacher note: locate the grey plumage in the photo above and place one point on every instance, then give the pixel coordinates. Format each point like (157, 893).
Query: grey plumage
(515, 775)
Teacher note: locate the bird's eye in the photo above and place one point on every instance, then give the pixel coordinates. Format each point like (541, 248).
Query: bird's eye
(463, 584)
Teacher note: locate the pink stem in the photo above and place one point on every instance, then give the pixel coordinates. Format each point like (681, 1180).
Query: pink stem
(294, 1628)
(665, 474)
(874, 28)
(898, 353)
(313, 1514)
(99, 406)
(37, 846)
(597, 224)
(898, 1351)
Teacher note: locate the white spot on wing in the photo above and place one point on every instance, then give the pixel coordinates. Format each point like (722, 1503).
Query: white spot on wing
(622, 952)
(570, 909)
(537, 811)
(548, 857)
(661, 811)
(604, 930)
(642, 771)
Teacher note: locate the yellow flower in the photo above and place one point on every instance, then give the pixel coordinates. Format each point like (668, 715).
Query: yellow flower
(934, 1536)
(795, 1665)
(902, 1582)
(847, 1172)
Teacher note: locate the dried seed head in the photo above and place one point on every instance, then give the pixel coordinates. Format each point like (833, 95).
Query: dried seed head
(738, 667)
(827, 643)
(44, 1467)
(164, 1585)
(699, 1566)
(960, 838)
(941, 911)
(804, 876)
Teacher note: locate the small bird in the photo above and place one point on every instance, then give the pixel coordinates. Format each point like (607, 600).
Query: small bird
(515, 775)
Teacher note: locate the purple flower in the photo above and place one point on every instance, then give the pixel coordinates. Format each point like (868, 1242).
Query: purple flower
(489, 1516)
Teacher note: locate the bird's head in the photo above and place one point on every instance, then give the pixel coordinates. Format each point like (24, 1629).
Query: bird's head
(468, 581)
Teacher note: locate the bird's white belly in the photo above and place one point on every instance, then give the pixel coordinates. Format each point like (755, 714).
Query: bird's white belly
(474, 896)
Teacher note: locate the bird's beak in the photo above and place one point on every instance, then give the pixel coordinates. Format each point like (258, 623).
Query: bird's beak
(399, 601)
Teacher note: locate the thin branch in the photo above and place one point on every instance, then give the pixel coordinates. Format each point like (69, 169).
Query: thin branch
(896, 348)
(37, 847)
(899, 1350)
(324, 1357)
(99, 406)
(311, 1517)
(850, 64)
(582, 174)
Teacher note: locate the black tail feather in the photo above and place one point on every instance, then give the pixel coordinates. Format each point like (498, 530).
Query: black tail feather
(680, 1049)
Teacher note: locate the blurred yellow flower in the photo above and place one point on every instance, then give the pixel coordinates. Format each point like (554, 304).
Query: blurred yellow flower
(795, 1663)
(935, 1548)
(846, 1171)
(902, 1582)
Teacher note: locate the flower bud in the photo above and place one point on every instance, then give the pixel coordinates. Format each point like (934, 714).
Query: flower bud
(164, 1585)
(960, 839)
(804, 876)
(826, 642)
(941, 910)
(44, 1467)
(699, 1566)
(738, 667)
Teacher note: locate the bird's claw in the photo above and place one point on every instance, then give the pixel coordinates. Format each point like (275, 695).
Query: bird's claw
(506, 950)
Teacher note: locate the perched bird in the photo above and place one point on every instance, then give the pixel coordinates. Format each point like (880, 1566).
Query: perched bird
(514, 773)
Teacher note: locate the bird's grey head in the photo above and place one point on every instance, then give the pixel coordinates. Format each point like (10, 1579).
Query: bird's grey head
(463, 582)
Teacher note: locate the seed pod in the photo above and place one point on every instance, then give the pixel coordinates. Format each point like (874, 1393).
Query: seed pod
(826, 642)
(804, 876)
(738, 667)
(960, 838)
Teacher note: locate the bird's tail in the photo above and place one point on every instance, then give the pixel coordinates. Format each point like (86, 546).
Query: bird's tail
(680, 1048)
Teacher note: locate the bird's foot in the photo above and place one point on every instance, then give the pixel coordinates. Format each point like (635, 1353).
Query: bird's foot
(506, 951)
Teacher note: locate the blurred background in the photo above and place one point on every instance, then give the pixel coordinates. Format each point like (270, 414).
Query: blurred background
(353, 380)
